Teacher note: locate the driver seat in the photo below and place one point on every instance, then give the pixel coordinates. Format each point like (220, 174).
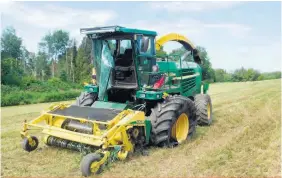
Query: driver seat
(126, 60)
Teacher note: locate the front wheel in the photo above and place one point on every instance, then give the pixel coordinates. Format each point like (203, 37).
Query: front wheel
(90, 164)
(173, 121)
(204, 109)
(30, 144)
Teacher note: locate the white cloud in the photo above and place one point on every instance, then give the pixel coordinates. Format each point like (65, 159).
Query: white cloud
(236, 30)
(4, 4)
(230, 54)
(192, 6)
(193, 29)
(265, 57)
(50, 17)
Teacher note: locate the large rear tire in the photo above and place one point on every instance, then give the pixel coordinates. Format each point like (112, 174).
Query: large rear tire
(203, 109)
(86, 99)
(173, 121)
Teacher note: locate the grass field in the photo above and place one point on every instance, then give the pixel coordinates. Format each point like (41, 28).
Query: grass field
(244, 140)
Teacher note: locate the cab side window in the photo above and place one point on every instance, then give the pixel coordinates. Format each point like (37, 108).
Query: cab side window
(146, 44)
(125, 44)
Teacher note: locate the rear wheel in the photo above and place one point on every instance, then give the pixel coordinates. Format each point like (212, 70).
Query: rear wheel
(86, 99)
(204, 109)
(173, 121)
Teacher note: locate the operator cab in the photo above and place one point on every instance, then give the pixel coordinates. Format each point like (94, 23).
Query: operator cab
(123, 75)
(116, 57)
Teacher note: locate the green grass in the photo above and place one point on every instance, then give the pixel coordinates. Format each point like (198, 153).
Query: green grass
(244, 140)
(32, 91)
(28, 97)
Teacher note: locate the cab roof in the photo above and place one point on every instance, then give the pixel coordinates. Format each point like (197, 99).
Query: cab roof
(116, 29)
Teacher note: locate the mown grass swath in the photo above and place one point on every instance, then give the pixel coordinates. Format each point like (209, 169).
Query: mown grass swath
(244, 140)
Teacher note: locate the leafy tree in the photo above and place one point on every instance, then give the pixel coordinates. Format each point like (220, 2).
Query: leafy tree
(84, 61)
(31, 67)
(13, 56)
(243, 74)
(207, 70)
(71, 55)
(63, 76)
(42, 66)
(222, 76)
(24, 56)
(219, 75)
(176, 53)
(261, 77)
(161, 53)
(54, 44)
(10, 44)
(11, 71)
(271, 75)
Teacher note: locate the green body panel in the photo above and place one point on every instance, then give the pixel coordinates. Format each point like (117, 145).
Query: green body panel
(165, 66)
(148, 126)
(187, 82)
(91, 88)
(182, 78)
(205, 87)
(109, 105)
(136, 31)
(149, 95)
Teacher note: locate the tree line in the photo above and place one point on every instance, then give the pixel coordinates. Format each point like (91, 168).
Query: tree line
(54, 73)
(59, 57)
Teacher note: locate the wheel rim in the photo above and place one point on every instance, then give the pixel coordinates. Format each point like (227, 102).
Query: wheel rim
(209, 111)
(122, 155)
(180, 128)
(32, 142)
(94, 167)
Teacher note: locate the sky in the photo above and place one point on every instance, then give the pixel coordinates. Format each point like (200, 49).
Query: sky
(235, 34)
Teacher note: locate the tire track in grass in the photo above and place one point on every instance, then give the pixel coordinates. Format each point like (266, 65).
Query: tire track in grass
(249, 153)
